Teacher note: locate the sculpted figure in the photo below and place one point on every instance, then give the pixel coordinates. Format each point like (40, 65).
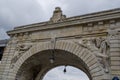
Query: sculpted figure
(100, 48)
(103, 48)
(57, 15)
(21, 48)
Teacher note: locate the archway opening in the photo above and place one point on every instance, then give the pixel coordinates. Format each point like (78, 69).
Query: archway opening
(71, 73)
(37, 66)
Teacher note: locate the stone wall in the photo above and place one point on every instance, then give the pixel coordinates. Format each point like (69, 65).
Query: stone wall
(97, 33)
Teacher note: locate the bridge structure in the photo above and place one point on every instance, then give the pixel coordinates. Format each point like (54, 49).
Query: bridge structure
(89, 42)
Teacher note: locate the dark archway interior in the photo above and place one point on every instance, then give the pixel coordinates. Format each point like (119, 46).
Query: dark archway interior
(1, 52)
(40, 64)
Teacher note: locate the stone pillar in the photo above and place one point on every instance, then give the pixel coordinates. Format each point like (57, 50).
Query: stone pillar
(6, 60)
(114, 39)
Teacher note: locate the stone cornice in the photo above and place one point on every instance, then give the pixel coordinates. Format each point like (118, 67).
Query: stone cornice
(93, 17)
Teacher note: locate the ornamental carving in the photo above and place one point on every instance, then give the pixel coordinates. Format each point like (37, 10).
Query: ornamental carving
(57, 15)
(114, 34)
(100, 47)
(103, 47)
(20, 49)
(23, 47)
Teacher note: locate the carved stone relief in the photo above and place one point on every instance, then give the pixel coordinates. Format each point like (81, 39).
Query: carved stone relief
(23, 36)
(103, 46)
(20, 49)
(100, 47)
(57, 15)
(114, 34)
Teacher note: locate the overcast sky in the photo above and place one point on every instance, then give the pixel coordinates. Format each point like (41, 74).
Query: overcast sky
(21, 12)
(71, 74)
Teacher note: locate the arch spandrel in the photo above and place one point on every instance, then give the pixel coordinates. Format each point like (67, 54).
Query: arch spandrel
(83, 53)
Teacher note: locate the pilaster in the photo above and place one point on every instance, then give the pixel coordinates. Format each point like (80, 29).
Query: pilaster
(114, 39)
(6, 60)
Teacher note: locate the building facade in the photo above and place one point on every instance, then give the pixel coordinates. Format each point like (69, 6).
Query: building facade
(90, 42)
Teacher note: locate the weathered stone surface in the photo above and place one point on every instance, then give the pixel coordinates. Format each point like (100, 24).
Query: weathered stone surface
(89, 42)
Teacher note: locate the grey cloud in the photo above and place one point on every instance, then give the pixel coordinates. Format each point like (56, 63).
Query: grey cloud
(78, 7)
(3, 34)
(21, 12)
(17, 12)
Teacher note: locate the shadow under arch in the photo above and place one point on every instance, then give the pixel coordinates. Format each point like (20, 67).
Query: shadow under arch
(84, 54)
(65, 58)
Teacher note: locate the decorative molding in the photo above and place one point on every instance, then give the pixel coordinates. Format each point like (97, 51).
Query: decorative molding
(112, 21)
(100, 23)
(90, 24)
(68, 21)
(114, 34)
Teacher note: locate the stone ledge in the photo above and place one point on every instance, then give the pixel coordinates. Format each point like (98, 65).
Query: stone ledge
(115, 58)
(36, 27)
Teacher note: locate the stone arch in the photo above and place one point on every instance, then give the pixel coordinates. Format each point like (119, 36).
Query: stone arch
(41, 75)
(84, 54)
